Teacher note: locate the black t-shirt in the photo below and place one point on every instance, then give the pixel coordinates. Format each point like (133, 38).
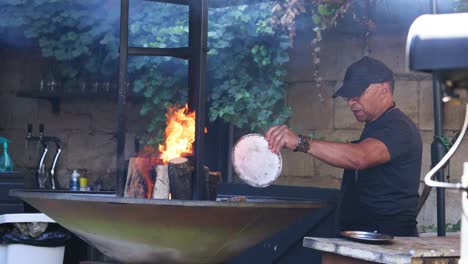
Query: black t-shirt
(384, 198)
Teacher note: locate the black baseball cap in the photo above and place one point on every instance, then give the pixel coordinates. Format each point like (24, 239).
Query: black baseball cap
(361, 74)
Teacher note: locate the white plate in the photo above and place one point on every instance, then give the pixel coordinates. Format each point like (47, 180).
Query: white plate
(255, 164)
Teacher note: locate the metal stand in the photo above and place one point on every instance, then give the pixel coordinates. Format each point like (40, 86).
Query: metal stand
(438, 151)
(463, 186)
(195, 53)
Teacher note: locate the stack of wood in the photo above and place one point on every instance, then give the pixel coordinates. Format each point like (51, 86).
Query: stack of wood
(173, 180)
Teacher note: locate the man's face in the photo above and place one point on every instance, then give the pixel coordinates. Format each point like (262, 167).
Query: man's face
(365, 107)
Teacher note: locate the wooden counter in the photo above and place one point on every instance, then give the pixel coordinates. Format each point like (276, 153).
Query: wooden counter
(414, 250)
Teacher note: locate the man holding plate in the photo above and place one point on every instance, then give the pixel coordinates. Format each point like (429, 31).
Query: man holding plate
(382, 168)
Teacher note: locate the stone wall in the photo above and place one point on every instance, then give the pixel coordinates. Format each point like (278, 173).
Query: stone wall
(316, 113)
(86, 126)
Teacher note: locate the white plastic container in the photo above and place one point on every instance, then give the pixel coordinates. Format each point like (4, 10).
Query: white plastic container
(26, 254)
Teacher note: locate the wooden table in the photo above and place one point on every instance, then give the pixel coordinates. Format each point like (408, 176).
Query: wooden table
(401, 250)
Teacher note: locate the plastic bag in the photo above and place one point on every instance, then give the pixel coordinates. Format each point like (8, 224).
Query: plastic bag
(47, 239)
(34, 229)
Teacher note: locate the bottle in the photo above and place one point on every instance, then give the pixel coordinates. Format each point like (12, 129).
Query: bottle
(75, 181)
(6, 164)
(83, 184)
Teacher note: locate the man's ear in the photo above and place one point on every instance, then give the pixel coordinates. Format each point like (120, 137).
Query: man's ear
(386, 87)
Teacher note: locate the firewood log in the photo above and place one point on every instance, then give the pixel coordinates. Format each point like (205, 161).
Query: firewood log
(180, 172)
(212, 179)
(161, 186)
(139, 181)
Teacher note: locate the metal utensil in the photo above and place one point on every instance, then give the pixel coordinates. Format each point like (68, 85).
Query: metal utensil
(54, 163)
(368, 237)
(41, 173)
(254, 162)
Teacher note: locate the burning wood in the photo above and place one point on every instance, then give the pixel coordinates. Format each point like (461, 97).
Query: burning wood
(179, 133)
(174, 176)
(139, 181)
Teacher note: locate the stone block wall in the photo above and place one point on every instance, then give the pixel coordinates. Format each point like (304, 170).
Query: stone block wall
(87, 127)
(316, 113)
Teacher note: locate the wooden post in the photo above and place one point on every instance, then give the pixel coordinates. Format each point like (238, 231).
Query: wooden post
(180, 172)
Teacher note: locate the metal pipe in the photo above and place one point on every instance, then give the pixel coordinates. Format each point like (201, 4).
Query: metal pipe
(434, 147)
(122, 98)
(438, 151)
(52, 169)
(54, 163)
(198, 35)
(41, 173)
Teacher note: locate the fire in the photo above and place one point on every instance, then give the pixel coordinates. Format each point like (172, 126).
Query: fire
(180, 133)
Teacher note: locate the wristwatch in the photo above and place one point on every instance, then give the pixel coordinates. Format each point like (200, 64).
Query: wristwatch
(303, 144)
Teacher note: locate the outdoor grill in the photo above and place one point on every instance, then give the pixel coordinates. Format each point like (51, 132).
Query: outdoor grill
(167, 231)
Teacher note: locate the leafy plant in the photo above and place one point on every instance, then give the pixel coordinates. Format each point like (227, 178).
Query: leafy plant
(79, 41)
(246, 58)
(324, 15)
(449, 227)
(248, 50)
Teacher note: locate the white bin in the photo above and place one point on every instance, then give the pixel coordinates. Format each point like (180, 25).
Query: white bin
(26, 254)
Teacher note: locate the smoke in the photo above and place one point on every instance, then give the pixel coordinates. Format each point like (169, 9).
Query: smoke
(22, 23)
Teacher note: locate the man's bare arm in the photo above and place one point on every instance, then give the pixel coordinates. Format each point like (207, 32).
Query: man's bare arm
(368, 153)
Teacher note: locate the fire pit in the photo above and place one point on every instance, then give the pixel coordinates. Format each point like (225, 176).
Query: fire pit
(167, 231)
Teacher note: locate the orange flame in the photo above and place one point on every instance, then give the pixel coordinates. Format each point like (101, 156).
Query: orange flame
(180, 133)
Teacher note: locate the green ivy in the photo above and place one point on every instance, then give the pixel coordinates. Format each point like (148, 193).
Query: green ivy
(449, 227)
(246, 59)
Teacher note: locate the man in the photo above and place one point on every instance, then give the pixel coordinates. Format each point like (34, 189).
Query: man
(382, 168)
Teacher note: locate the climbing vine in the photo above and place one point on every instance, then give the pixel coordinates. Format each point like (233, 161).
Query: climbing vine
(248, 51)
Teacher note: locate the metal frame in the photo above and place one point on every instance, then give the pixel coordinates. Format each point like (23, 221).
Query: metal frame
(437, 148)
(438, 151)
(196, 54)
(122, 98)
(198, 45)
(439, 52)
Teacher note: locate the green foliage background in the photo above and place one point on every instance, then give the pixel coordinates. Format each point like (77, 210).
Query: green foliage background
(247, 54)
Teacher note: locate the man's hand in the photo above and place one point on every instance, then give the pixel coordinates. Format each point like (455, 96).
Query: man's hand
(279, 137)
